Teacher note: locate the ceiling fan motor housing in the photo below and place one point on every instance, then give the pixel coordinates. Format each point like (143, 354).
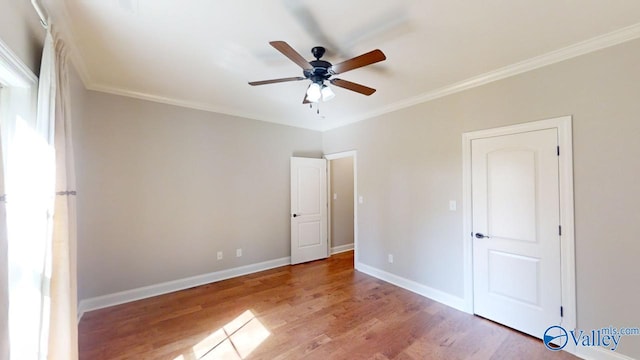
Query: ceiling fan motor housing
(320, 71)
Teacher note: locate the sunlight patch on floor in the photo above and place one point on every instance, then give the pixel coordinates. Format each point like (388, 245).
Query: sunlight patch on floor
(234, 341)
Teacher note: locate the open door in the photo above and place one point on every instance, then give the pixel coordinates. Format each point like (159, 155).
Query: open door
(308, 210)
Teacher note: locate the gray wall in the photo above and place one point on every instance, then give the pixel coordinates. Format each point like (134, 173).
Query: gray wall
(409, 166)
(161, 189)
(20, 30)
(342, 207)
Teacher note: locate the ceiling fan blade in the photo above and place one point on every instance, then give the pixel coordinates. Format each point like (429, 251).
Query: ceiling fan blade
(293, 55)
(306, 100)
(273, 81)
(364, 90)
(369, 58)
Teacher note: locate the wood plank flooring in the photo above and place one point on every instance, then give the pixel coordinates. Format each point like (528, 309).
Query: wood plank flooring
(318, 310)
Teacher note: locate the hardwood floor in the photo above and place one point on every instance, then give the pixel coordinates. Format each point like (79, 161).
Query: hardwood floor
(318, 310)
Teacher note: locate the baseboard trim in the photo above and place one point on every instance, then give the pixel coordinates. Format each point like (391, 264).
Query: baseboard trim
(587, 353)
(341, 248)
(598, 353)
(426, 291)
(144, 292)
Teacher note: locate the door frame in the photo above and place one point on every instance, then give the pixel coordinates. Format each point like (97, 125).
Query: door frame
(340, 155)
(567, 243)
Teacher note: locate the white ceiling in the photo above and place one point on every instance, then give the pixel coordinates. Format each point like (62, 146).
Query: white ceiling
(202, 53)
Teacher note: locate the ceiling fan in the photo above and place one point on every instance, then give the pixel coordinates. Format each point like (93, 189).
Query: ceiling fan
(320, 70)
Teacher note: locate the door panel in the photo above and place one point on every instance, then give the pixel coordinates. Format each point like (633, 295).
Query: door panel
(512, 194)
(309, 181)
(308, 210)
(515, 203)
(308, 233)
(515, 277)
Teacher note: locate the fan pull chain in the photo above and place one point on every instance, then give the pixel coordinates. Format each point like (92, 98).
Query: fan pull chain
(317, 109)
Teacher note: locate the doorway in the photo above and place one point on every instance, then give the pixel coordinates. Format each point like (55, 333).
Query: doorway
(518, 225)
(342, 199)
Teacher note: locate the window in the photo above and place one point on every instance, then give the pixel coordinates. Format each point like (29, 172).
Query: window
(28, 178)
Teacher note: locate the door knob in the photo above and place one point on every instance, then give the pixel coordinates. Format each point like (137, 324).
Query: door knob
(295, 215)
(481, 236)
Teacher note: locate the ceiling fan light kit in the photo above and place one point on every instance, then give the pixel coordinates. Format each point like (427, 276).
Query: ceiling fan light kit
(327, 93)
(320, 70)
(313, 92)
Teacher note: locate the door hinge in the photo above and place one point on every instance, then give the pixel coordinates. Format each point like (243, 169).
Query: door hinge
(558, 150)
(560, 230)
(561, 311)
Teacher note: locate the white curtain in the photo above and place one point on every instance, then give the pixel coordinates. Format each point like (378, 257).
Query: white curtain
(29, 174)
(63, 332)
(38, 173)
(17, 114)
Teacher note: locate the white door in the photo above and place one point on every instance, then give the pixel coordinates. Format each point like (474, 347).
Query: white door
(308, 210)
(516, 248)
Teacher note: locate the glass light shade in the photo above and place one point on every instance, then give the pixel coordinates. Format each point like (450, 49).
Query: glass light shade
(314, 93)
(327, 93)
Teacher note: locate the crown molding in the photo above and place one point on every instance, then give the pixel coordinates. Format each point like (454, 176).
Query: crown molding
(169, 100)
(594, 44)
(186, 104)
(68, 33)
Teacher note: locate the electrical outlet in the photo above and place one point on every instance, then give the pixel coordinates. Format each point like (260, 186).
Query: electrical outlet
(390, 258)
(238, 252)
(219, 255)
